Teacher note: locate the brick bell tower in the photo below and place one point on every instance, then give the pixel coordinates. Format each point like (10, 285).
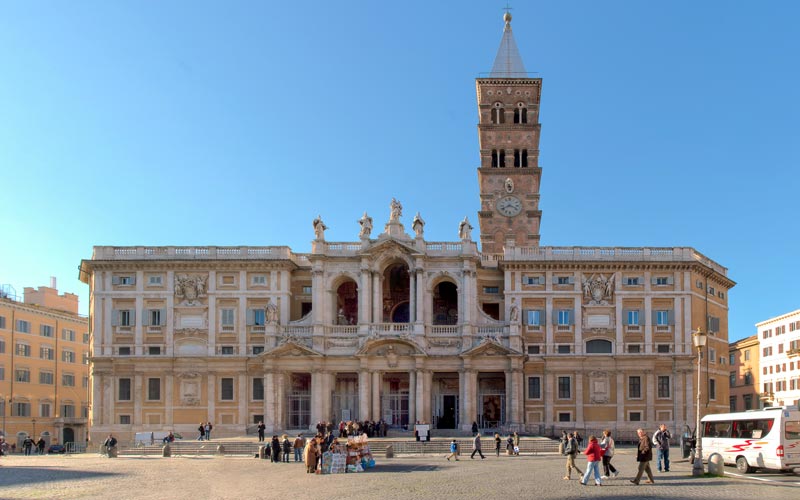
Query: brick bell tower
(508, 131)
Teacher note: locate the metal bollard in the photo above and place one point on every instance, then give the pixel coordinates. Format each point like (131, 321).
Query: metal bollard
(390, 451)
(166, 451)
(220, 450)
(716, 465)
(113, 452)
(262, 452)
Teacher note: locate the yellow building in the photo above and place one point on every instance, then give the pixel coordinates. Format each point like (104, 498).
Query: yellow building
(744, 374)
(44, 366)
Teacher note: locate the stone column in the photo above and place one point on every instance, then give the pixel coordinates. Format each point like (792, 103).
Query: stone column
(518, 393)
(579, 347)
(363, 393)
(412, 397)
(462, 401)
(138, 338)
(620, 392)
(509, 397)
(376, 395)
(421, 304)
(317, 297)
(470, 395)
(138, 397)
(650, 398)
(169, 403)
(412, 297)
(279, 378)
(427, 413)
(676, 389)
(212, 397)
(106, 404)
(648, 317)
(316, 396)
(420, 393)
(243, 400)
(620, 327)
(241, 320)
(549, 397)
(107, 331)
(677, 335)
(212, 324)
(364, 301)
(579, 397)
(549, 348)
(377, 299)
(269, 402)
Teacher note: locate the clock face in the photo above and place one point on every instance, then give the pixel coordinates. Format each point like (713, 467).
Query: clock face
(509, 206)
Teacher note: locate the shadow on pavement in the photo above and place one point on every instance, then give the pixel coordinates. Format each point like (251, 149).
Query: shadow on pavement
(19, 475)
(401, 468)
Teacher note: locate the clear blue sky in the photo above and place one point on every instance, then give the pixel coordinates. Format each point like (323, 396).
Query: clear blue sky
(236, 123)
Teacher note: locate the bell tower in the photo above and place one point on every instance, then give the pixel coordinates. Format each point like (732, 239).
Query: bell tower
(508, 130)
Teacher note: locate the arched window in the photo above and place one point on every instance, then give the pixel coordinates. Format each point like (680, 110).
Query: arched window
(498, 116)
(521, 114)
(517, 158)
(598, 346)
(524, 162)
(498, 158)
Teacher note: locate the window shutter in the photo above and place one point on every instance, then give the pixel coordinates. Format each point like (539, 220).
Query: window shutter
(670, 280)
(555, 316)
(653, 317)
(133, 279)
(527, 313)
(251, 317)
(642, 319)
(653, 280)
(163, 317)
(115, 280)
(625, 313)
(542, 317)
(133, 317)
(115, 317)
(571, 280)
(146, 317)
(571, 314)
(671, 316)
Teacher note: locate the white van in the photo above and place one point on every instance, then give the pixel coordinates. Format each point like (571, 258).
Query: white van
(755, 439)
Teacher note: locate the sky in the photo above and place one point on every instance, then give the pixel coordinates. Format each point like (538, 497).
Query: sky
(236, 123)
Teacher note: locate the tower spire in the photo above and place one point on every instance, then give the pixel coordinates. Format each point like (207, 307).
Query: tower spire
(508, 63)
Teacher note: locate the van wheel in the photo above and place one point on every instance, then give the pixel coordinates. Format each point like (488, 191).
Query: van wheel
(743, 466)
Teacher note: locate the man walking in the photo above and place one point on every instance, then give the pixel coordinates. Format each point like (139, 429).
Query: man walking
(571, 451)
(453, 451)
(476, 446)
(644, 454)
(661, 441)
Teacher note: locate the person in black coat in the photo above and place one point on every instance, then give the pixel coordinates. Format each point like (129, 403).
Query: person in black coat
(644, 455)
(275, 447)
(261, 428)
(287, 448)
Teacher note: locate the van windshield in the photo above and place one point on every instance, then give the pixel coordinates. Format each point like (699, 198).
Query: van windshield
(792, 429)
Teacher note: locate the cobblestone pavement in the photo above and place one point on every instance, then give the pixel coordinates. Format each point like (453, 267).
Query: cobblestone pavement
(89, 476)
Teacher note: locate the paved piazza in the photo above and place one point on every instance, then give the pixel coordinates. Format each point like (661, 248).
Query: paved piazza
(89, 476)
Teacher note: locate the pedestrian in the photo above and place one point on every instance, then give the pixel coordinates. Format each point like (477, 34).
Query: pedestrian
(661, 442)
(516, 442)
(497, 444)
(453, 451)
(644, 454)
(510, 445)
(109, 444)
(261, 428)
(571, 450)
(476, 446)
(594, 455)
(607, 444)
(27, 444)
(474, 427)
(202, 431)
(562, 443)
(287, 447)
(275, 446)
(40, 445)
(578, 439)
(310, 456)
(299, 444)
(208, 431)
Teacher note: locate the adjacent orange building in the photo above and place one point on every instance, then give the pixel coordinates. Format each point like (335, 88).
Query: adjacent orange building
(44, 370)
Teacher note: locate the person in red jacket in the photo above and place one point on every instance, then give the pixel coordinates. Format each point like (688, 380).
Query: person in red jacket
(594, 455)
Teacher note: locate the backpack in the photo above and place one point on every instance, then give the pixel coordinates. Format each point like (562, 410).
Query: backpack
(656, 437)
(570, 447)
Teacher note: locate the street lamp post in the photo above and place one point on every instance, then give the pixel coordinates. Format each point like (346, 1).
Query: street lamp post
(699, 339)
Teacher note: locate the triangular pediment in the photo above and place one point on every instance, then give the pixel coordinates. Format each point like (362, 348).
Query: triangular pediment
(390, 245)
(489, 347)
(291, 348)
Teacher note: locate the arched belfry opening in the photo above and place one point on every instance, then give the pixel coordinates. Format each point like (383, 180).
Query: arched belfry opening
(445, 304)
(396, 288)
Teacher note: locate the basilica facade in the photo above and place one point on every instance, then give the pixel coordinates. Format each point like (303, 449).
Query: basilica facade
(509, 335)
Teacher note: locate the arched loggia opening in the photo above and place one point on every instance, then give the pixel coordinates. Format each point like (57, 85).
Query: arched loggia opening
(347, 303)
(396, 289)
(445, 304)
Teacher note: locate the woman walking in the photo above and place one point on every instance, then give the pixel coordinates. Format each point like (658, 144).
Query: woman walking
(497, 444)
(594, 456)
(607, 444)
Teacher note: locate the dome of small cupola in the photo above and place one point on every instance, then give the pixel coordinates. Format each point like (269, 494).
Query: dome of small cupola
(507, 17)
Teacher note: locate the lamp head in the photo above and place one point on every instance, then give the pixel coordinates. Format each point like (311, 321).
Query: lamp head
(699, 338)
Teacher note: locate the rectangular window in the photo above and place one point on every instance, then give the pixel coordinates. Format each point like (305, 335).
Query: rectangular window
(45, 330)
(663, 386)
(68, 380)
(124, 351)
(491, 289)
(68, 411)
(663, 348)
(534, 317)
(748, 401)
(532, 280)
(634, 387)
(258, 349)
(712, 355)
(68, 356)
(747, 355)
(564, 349)
(534, 388)
(85, 382)
(21, 410)
(635, 416)
(2, 346)
(2, 322)
(67, 334)
(86, 338)
(564, 317)
(258, 389)
(226, 389)
(633, 317)
(23, 326)
(125, 317)
(227, 317)
(713, 324)
(564, 280)
(731, 358)
(155, 317)
(154, 280)
(564, 388)
(662, 280)
(154, 389)
(2, 377)
(85, 358)
(44, 409)
(22, 375)
(226, 350)
(564, 416)
(46, 378)
(23, 350)
(154, 350)
(124, 389)
(124, 419)
(711, 290)
(732, 379)
(259, 279)
(712, 389)
(534, 349)
(126, 280)
(307, 290)
(634, 349)
(256, 317)
(47, 353)
(631, 281)
(662, 318)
